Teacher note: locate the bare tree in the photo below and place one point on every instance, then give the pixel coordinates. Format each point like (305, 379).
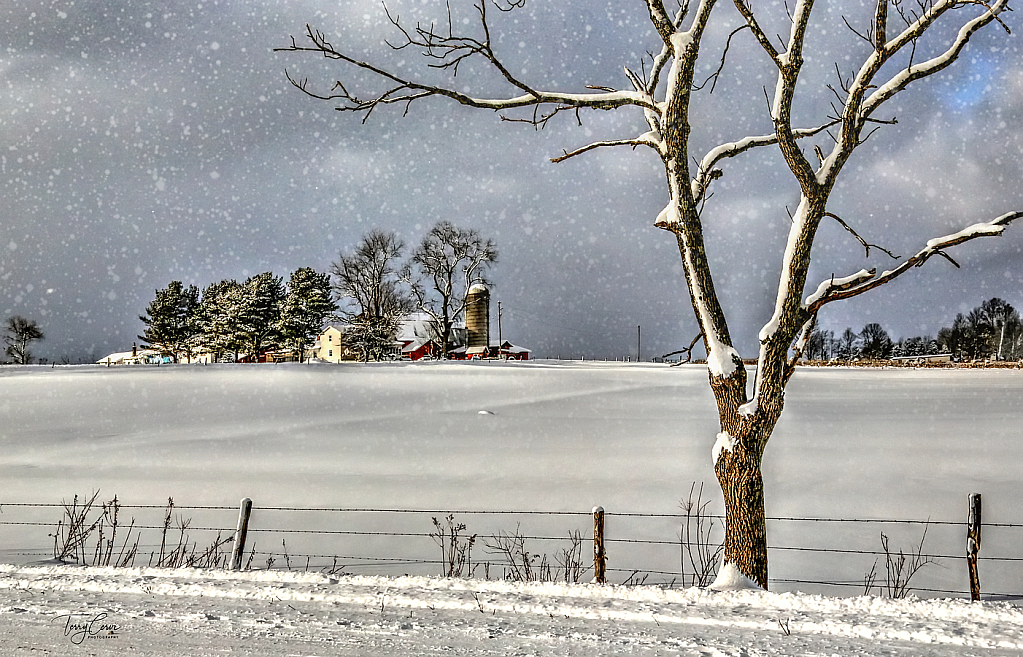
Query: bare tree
(819, 345)
(368, 278)
(1001, 322)
(374, 298)
(848, 344)
(449, 261)
(888, 61)
(21, 333)
(876, 342)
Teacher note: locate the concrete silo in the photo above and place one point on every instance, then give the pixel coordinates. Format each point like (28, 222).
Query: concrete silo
(477, 318)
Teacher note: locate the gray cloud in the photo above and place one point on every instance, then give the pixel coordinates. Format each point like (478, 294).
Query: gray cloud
(144, 142)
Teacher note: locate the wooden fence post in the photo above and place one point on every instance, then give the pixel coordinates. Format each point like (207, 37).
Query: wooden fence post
(240, 533)
(973, 545)
(599, 555)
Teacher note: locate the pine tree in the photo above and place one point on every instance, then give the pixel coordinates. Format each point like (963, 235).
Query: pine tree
(169, 323)
(306, 307)
(259, 312)
(215, 319)
(372, 337)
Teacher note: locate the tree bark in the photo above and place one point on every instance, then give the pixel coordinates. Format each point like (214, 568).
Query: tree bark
(738, 467)
(742, 485)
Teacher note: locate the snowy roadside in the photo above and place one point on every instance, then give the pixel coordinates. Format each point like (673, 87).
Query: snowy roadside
(66, 610)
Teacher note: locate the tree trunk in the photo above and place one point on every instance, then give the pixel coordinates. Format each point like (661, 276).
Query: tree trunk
(742, 485)
(738, 457)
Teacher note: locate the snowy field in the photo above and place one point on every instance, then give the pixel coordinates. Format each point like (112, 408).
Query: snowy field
(96, 611)
(867, 444)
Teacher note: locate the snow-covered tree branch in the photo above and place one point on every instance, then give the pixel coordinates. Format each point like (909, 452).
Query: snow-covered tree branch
(864, 281)
(449, 51)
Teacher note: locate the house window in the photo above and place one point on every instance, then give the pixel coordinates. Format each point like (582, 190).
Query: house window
(330, 353)
(330, 338)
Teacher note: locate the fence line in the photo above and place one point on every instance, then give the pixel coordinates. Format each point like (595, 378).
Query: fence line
(371, 561)
(327, 532)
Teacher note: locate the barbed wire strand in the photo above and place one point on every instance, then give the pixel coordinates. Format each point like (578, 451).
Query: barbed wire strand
(676, 516)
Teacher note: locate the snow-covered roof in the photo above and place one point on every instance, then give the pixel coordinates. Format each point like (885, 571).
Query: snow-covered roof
(510, 348)
(417, 325)
(416, 343)
(121, 356)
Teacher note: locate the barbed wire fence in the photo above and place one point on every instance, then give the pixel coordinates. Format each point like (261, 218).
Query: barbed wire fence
(641, 548)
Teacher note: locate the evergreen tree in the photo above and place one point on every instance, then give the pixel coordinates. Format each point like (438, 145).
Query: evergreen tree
(306, 307)
(258, 313)
(215, 319)
(913, 346)
(964, 337)
(372, 337)
(169, 324)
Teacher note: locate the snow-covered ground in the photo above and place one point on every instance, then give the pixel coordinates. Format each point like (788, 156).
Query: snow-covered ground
(71, 611)
(898, 444)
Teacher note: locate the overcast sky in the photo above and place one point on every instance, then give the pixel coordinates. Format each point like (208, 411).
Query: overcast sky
(145, 142)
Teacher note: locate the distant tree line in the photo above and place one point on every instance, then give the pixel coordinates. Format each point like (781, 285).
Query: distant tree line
(252, 317)
(376, 285)
(991, 331)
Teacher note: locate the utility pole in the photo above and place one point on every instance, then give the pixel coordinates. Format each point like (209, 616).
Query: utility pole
(500, 337)
(639, 344)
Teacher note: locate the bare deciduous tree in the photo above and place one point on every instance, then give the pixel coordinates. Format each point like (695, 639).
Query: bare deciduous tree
(21, 333)
(888, 61)
(368, 278)
(374, 299)
(875, 342)
(449, 260)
